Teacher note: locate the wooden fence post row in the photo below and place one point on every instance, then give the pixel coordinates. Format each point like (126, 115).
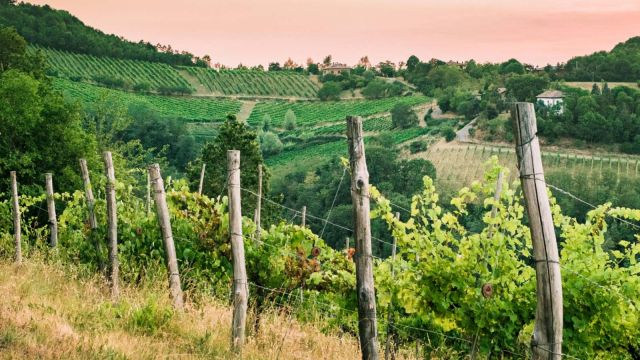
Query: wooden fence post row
(240, 284)
(367, 324)
(167, 236)
(547, 334)
(51, 207)
(17, 231)
(112, 225)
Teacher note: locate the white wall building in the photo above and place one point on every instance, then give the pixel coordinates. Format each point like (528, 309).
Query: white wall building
(551, 98)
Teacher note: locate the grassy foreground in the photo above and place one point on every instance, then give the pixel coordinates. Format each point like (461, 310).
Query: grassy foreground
(48, 312)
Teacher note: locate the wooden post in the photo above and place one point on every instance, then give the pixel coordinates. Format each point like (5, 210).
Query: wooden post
(204, 165)
(240, 285)
(367, 325)
(91, 202)
(167, 236)
(112, 225)
(304, 216)
(51, 209)
(17, 231)
(148, 194)
(547, 335)
(387, 349)
(88, 190)
(256, 215)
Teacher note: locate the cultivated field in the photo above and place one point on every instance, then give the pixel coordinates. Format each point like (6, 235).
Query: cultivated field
(254, 82)
(79, 67)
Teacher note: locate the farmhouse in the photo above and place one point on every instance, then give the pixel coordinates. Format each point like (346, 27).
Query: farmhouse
(551, 98)
(335, 69)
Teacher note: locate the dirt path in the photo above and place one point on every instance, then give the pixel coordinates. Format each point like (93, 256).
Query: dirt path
(245, 110)
(200, 89)
(463, 135)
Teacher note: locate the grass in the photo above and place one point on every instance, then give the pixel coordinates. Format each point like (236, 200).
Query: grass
(48, 312)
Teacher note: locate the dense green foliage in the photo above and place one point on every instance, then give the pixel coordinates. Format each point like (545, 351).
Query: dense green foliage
(125, 74)
(622, 63)
(403, 117)
(40, 132)
(183, 108)
(255, 82)
(605, 116)
(58, 29)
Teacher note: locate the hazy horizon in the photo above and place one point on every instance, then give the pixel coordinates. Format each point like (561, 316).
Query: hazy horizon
(257, 32)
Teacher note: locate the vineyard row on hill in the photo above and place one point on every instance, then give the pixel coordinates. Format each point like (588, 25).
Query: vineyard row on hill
(253, 82)
(132, 73)
(179, 107)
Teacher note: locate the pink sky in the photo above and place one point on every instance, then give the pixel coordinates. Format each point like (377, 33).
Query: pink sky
(259, 31)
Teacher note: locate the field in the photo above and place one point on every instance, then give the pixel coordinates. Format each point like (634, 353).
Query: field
(180, 107)
(313, 113)
(254, 82)
(459, 165)
(134, 73)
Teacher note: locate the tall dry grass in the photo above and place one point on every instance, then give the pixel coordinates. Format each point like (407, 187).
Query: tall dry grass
(48, 312)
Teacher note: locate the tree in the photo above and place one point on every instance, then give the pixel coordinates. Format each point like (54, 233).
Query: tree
(233, 135)
(330, 90)
(526, 87)
(375, 89)
(511, 66)
(313, 69)
(266, 123)
(403, 116)
(270, 144)
(274, 66)
(13, 54)
(412, 62)
(327, 60)
(289, 122)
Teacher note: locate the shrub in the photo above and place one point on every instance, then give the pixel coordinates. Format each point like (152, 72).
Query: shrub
(449, 134)
(289, 120)
(270, 144)
(418, 146)
(330, 91)
(403, 116)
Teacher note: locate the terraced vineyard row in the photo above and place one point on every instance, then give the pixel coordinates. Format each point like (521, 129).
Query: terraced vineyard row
(253, 82)
(312, 113)
(186, 108)
(459, 165)
(134, 73)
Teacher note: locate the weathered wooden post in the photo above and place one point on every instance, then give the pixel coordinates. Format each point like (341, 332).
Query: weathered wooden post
(367, 325)
(17, 231)
(51, 210)
(201, 184)
(240, 285)
(388, 354)
(167, 236)
(256, 215)
(547, 335)
(148, 194)
(304, 216)
(91, 202)
(112, 225)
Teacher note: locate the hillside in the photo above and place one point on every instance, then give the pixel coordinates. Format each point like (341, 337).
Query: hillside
(622, 63)
(47, 312)
(58, 29)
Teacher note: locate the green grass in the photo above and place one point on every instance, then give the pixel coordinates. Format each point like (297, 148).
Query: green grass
(255, 82)
(312, 113)
(180, 107)
(86, 67)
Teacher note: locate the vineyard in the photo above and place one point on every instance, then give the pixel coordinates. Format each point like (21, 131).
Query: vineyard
(292, 268)
(255, 82)
(179, 107)
(315, 113)
(129, 74)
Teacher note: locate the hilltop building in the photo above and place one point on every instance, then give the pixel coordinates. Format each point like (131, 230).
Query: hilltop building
(551, 98)
(335, 69)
